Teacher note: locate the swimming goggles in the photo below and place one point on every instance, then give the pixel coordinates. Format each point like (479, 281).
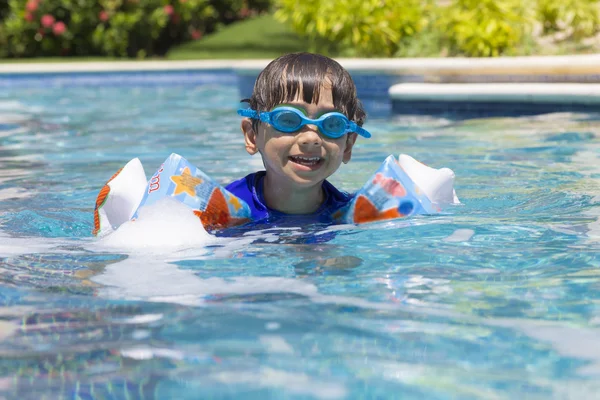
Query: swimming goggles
(290, 119)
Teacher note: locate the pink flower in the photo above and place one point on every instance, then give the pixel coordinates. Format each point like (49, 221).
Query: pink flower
(31, 6)
(29, 16)
(47, 20)
(103, 16)
(59, 28)
(196, 34)
(169, 9)
(244, 12)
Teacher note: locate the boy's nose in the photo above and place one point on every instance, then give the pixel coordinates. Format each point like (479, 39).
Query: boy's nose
(309, 135)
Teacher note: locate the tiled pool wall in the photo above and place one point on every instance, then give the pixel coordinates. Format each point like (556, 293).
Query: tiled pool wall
(373, 89)
(481, 109)
(120, 78)
(373, 80)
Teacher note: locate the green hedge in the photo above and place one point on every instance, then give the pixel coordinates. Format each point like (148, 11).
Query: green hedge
(431, 27)
(122, 28)
(484, 28)
(354, 27)
(579, 18)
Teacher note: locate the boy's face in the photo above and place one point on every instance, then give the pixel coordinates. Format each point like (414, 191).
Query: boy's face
(304, 158)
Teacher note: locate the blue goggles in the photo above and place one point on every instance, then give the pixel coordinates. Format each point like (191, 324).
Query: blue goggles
(289, 119)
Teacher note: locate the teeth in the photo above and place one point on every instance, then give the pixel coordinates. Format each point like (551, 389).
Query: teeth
(308, 158)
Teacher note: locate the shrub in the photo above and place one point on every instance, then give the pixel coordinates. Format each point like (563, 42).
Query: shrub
(35, 28)
(139, 29)
(233, 10)
(134, 28)
(484, 28)
(548, 13)
(353, 27)
(579, 18)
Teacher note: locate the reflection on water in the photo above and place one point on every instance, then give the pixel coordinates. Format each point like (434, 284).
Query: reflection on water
(498, 298)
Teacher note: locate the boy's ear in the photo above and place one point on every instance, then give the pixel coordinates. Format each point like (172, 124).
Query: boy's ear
(350, 140)
(249, 136)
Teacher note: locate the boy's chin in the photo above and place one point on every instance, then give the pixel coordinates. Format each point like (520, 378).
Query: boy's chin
(302, 181)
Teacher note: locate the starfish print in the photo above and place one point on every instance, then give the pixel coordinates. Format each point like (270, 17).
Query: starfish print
(186, 183)
(235, 202)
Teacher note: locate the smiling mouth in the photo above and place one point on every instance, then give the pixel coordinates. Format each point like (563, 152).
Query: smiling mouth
(306, 161)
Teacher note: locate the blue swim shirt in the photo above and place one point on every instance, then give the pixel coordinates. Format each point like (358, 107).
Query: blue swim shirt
(250, 189)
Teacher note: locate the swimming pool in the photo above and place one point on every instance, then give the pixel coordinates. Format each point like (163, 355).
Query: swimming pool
(498, 298)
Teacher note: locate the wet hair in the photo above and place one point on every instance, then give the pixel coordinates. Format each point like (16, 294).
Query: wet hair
(306, 73)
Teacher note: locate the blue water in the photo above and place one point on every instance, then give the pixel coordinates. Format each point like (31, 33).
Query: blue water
(499, 298)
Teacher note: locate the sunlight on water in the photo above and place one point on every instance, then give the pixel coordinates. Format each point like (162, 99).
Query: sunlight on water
(497, 298)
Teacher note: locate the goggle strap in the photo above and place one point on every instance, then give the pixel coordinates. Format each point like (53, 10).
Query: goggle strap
(265, 117)
(362, 132)
(248, 112)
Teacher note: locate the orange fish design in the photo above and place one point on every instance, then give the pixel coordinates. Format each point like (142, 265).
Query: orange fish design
(216, 215)
(365, 211)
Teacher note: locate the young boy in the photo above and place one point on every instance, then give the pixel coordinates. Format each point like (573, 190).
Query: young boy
(304, 118)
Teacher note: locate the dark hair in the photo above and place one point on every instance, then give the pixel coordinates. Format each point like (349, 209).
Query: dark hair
(305, 73)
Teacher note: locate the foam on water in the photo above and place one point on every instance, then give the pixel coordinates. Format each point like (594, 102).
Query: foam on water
(164, 227)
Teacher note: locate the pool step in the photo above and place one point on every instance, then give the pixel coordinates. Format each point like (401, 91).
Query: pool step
(494, 99)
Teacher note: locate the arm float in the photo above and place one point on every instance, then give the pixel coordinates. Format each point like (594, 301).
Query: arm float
(127, 192)
(390, 193)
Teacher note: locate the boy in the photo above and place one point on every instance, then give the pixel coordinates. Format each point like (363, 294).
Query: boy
(304, 119)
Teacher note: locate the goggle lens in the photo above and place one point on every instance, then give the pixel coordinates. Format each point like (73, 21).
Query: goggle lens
(334, 124)
(286, 121)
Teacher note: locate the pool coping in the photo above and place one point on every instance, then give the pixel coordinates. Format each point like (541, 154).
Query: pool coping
(545, 65)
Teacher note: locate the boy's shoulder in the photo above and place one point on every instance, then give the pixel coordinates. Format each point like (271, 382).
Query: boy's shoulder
(335, 198)
(247, 189)
(246, 185)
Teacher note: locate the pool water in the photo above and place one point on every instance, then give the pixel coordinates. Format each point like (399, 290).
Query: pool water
(498, 298)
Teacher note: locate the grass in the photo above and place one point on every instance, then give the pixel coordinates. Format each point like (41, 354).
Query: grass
(260, 37)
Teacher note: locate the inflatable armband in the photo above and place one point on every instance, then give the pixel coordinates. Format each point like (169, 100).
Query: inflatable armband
(388, 194)
(437, 184)
(397, 189)
(119, 197)
(215, 206)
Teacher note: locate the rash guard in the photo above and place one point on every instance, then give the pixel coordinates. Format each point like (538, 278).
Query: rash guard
(250, 189)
